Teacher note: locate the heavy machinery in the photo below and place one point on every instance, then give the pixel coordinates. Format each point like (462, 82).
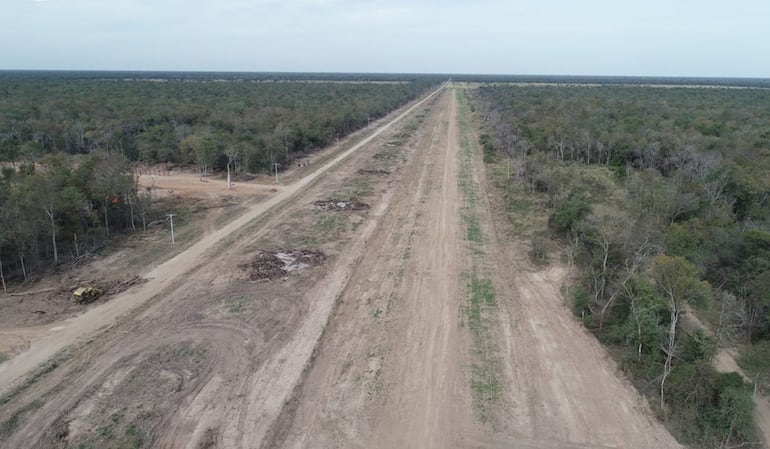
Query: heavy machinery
(86, 294)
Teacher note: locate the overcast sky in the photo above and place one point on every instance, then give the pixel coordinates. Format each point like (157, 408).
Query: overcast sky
(580, 37)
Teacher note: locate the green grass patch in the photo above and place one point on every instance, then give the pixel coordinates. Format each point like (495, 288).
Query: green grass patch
(133, 439)
(517, 204)
(473, 229)
(115, 434)
(237, 304)
(486, 390)
(485, 375)
(482, 291)
(485, 371)
(328, 226)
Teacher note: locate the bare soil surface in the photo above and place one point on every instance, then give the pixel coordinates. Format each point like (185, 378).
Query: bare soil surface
(151, 367)
(421, 326)
(192, 185)
(32, 308)
(399, 363)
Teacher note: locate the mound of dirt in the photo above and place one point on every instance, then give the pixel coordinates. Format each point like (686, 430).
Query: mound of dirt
(373, 172)
(339, 205)
(268, 265)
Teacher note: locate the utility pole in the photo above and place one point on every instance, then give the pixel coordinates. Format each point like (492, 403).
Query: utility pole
(171, 218)
(275, 164)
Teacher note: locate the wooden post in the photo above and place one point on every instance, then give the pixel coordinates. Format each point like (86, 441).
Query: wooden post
(2, 276)
(171, 218)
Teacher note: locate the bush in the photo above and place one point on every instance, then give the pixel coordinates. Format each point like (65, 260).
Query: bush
(489, 153)
(581, 303)
(729, 416)
(574, 209)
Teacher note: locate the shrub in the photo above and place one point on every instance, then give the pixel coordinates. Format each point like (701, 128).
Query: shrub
(569, 213)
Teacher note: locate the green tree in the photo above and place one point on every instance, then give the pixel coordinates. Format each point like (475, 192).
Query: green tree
(677, 280)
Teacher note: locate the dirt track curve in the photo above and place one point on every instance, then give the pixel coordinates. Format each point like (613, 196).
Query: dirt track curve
(380, 348)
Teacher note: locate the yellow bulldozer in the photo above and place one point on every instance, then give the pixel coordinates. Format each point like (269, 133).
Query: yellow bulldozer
(86, 294)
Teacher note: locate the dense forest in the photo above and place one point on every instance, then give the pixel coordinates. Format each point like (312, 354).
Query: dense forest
(660, 196)
(69, 143)
(183, 121)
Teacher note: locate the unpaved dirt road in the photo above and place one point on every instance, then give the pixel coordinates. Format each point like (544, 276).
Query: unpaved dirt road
(399, 364)
(162, 276)
(427, 328)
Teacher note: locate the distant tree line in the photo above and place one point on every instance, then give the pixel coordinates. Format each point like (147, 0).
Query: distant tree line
(68, 147)
(187, 122)
(670, 213)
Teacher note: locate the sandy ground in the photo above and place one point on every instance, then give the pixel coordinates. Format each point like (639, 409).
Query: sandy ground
(372, 349)
(187, 185)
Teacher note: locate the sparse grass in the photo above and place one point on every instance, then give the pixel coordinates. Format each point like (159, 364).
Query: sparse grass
(526, 211)
(538, 253)
(9, 425)
(376, 382)
(486, 371)
(485, 375)
(209, 440)
(473, 229)
(357, 188)
(236, 304)
(193, 354)
(113, 434)
(481, 294)
(468, 188)
(486, 390)
(41, 372)
(330, 223)
(483, 291)
(392, 298)
(133, 438)
(409, 244)
(228, 214)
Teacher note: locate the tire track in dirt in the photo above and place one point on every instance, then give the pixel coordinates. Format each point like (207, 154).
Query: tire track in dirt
(223, 386)
(387, 371)
(395, 366)
(562, 389)
(163, 276)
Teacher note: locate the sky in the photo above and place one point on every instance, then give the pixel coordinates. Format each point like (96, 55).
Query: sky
(553, 37)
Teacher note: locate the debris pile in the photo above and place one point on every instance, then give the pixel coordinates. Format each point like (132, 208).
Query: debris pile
(339, 205)
(120, 286)
(384, 156)
(268, 265)
(373, 172)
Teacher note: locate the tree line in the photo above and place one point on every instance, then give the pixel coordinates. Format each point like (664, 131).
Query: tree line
(661, 194)
(68, 147)
(187, 122)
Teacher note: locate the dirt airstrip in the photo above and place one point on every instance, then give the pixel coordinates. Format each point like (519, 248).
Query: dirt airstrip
(364, 334)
